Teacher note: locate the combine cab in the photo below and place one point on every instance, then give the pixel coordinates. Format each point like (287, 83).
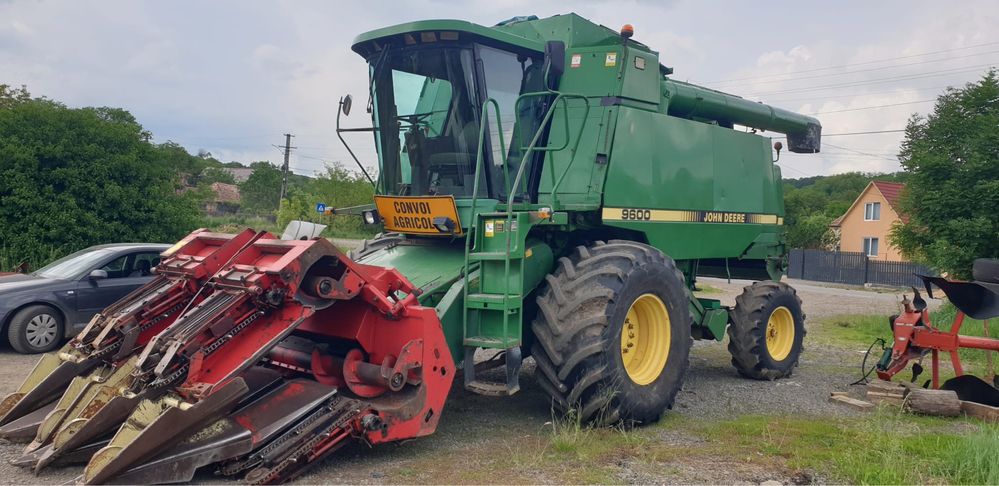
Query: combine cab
(547, 191)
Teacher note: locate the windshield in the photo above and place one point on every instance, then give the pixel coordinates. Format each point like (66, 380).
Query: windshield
(74, 265)
(427, 103)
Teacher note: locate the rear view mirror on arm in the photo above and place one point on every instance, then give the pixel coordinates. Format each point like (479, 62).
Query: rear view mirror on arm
(554, 63)
(98, 275)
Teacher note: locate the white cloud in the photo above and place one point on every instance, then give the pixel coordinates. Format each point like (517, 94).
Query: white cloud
(232, 77)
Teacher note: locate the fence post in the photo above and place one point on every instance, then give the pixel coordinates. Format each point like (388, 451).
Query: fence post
(867, 265)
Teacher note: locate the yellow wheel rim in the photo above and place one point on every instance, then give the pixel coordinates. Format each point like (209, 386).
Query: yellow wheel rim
(780, 333)
(645, 339)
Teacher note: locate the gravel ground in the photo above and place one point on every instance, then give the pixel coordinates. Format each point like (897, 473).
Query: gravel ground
(713, 389)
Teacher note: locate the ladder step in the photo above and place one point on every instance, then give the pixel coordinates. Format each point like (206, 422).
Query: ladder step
(491, 256)
(512, 360)
(492, 389)
(491, 342)
(493, 301)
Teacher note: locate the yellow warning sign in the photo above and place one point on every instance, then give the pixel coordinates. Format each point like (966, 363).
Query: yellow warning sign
(416, 214)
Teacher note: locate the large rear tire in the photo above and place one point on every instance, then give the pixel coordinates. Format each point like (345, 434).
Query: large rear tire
(767, 331)
(613, 333)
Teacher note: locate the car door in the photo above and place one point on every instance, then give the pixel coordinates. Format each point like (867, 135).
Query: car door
(124, 275)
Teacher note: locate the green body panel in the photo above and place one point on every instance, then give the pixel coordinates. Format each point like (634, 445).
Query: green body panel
(627, 153)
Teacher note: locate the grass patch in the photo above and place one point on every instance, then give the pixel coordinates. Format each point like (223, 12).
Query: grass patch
(702, 289)
(886, 447)
(882, 447)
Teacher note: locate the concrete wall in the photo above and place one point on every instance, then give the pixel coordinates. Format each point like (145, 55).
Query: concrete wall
(854, 229)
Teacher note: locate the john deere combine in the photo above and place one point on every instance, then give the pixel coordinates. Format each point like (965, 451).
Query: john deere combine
(546, 190)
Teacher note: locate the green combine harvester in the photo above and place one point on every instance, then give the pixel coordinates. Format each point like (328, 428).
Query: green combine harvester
(546, 191)
(558, 195)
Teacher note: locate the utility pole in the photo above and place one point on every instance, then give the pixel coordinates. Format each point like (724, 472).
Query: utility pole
(284, 168)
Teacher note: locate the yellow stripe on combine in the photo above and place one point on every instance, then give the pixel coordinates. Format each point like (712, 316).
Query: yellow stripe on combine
(688, 216)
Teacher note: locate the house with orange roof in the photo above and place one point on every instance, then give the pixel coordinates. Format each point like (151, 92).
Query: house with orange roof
(864, 227)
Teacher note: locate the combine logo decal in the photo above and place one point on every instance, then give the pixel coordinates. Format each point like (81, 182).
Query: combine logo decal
(415, 214)
(681, 216)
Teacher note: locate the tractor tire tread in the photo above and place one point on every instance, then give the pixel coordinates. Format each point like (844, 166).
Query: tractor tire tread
(573, 312)
(746, 333)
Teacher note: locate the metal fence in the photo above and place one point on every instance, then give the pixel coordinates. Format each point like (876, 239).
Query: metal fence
(855, 268)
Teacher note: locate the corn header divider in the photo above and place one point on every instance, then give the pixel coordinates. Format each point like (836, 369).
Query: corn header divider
(223, 378)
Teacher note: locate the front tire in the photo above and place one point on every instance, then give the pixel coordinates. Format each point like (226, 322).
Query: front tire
(35, 329)
(767, 331)
(613, 333)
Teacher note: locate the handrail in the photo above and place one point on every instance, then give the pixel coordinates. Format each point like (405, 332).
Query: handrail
(575, 146)
(528, 151)
(537, 136)
(473, 224)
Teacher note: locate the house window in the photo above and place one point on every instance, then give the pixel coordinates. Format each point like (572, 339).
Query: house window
(872, 211)
(871, 247)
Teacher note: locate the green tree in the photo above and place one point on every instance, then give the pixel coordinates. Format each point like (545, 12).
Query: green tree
(952, 160)
(261, 191)
(337, 188)
(10, 96)
(74, 177)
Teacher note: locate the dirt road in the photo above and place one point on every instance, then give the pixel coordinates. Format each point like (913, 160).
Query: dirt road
(472, 422)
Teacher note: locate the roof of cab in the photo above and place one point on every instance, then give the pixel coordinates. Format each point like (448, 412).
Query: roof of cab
(529, 33)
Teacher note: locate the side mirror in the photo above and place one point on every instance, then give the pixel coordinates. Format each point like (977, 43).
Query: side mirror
(98, 275)
(345, 104)
(554, 62)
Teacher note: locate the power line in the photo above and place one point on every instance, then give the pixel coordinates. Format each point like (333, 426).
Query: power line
(873, 132)
(857, 63)
(870, 107)
(893, 159)
(853, 95)
(783, 165)
(849, 72)
(942, 72)
(846, 73)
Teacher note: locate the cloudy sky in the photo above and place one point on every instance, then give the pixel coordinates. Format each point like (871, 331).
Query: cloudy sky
(231, 77)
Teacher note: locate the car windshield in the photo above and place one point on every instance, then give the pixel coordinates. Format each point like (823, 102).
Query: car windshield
(74, 265)
(427, 104)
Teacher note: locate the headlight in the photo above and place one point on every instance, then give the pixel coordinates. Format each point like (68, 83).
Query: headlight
(444, 224)
(370, 217)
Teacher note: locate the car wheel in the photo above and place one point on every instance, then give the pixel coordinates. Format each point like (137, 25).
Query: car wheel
(35, 329)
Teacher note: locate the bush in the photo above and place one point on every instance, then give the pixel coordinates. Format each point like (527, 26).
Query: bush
(75, 177)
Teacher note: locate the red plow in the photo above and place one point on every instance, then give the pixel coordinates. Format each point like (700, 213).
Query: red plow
(256, 354)
(915, 337)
